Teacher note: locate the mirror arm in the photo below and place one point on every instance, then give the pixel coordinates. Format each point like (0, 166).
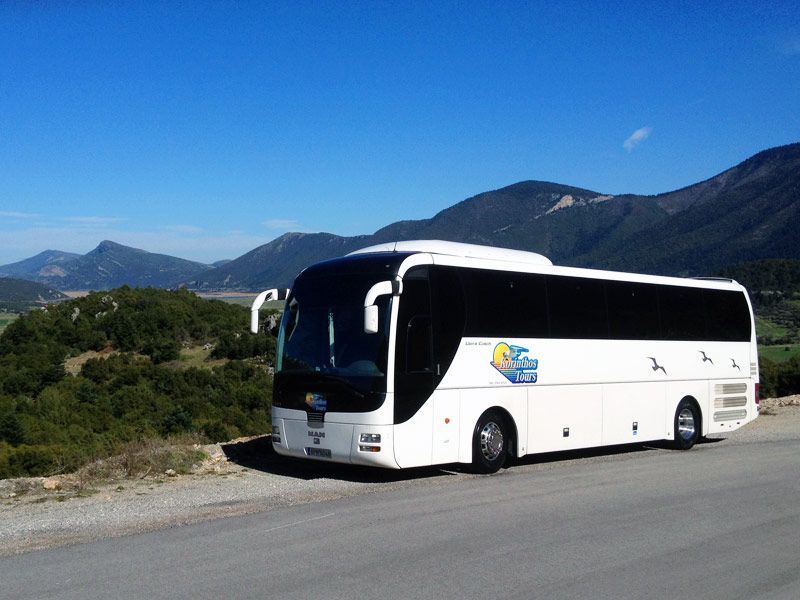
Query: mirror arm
(382, 288)
(264, 296)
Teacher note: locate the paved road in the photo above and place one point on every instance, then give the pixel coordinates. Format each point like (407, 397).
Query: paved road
(721, 521)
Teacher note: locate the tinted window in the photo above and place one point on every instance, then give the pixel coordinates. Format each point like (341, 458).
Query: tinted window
(418, 353)
(577, 308)
(414, 341)
(414, 375)
(632, 310)
(448, 310)
(505, 304)
(681, 311)
(727, 315)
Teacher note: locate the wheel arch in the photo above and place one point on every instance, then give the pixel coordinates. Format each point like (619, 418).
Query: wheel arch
(509, 422)
(691, 399)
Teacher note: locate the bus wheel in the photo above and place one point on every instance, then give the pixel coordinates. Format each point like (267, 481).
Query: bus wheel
(489, 443)
(687, 425)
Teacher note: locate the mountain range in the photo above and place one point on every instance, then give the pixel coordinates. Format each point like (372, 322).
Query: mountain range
(748, 212)
(107, 266)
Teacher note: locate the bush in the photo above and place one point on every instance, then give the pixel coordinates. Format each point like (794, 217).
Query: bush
(24, 460)
(779, 379)
(51, 421)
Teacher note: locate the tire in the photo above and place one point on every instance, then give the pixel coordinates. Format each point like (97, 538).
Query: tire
(687, 424)
(490, 443)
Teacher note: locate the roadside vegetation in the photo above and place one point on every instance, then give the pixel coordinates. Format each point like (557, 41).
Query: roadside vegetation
(144, 364)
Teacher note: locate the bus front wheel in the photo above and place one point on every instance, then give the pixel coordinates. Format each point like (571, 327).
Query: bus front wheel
(489, 443)
(687, 424)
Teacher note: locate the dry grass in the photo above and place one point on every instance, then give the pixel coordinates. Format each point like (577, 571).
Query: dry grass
(150, 459)
(196, 356)
(140, 459)
(74, 364)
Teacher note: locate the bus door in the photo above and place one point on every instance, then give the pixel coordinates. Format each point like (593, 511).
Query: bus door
(429, 326)
(449, 314)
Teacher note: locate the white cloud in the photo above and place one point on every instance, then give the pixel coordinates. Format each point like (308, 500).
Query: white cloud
(18, 215)
(281, 224)
(93, 220)
(186, 229)
(636, 138)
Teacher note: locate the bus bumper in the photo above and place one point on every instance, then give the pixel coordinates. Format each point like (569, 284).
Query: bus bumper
(370, 445)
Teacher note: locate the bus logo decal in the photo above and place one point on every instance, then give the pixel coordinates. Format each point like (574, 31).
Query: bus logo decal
(316, 402)
(513, 363)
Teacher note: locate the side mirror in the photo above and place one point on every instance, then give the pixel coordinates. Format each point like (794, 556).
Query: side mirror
(382, 288)
(371, 319)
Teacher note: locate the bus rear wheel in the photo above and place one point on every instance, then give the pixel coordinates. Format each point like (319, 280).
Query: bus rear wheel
(489, 443)
(687, 425)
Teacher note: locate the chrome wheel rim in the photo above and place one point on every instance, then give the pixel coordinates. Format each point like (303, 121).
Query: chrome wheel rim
(686, 427)
(491, 441)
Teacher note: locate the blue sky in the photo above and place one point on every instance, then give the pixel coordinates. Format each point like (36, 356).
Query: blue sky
(203, 130)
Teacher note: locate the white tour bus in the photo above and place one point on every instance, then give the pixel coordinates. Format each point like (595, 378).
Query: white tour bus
(428, 352)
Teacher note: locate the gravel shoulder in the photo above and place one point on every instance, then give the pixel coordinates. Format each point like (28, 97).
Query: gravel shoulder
(248, 477)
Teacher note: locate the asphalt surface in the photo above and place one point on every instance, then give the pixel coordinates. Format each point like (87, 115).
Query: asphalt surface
(720, 521)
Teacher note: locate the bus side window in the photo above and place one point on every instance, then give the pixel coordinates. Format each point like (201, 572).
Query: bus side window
(447, 299)
(681, 310)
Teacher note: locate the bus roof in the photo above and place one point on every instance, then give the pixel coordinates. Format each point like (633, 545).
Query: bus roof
(459, 249)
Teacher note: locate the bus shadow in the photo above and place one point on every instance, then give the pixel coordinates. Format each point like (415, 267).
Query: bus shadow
(567, 455)
(259, 455)
(582, 453)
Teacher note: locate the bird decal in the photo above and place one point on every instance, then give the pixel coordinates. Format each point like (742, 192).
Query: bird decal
(657, 366)
(733, 362)
(706, 358)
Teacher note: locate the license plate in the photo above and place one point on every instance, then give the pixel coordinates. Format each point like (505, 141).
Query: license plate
(319, 452)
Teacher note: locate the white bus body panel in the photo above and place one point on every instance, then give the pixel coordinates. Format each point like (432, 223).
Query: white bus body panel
(603, 391)
(446, 426)
(634, 412)
(413, 440)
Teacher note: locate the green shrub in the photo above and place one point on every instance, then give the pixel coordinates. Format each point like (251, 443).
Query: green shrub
(51, 421)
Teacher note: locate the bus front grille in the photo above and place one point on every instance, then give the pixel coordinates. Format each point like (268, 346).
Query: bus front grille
(314, 418)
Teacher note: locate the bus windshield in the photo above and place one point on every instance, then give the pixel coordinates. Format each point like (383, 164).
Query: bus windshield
(322, 337)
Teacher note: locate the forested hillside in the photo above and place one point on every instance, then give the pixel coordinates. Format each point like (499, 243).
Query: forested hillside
(130, 382)
(20, 295)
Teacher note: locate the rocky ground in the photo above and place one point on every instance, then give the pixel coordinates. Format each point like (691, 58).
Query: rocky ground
(247, 476)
